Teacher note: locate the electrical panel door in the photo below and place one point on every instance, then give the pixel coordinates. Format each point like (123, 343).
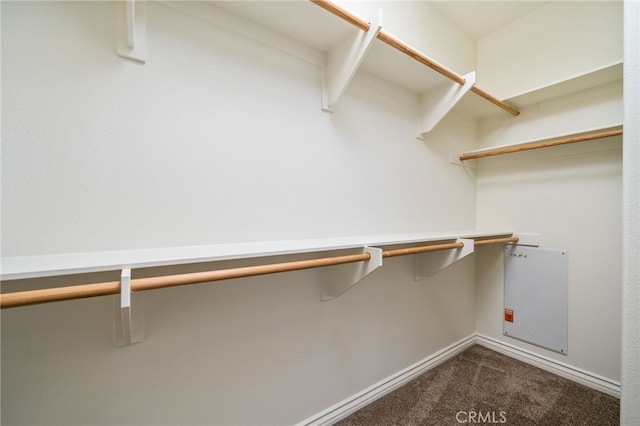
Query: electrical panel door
(535, 296)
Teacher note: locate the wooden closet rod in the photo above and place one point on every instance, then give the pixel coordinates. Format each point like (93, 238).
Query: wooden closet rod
(505, 240)
(32, 297)
(24, 298)
(409, 51)
(554, 142)
(421, 249)
(511, 110)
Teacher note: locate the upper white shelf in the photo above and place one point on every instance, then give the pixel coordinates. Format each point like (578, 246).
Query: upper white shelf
(389, 58)
(472, 106)
(392, 65)
(76, 263)
(573, 84)
(312, 25)
(323, 30)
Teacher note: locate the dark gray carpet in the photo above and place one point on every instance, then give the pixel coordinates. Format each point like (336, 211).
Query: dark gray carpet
(481, 386)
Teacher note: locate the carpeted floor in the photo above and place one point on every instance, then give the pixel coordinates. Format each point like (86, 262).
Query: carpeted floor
(481, 386)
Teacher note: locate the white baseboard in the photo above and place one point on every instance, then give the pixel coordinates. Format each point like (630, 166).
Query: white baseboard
(355, 402)
(574, 374)
(352, 404)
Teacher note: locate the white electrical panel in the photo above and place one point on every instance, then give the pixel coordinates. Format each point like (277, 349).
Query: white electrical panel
(535, 296)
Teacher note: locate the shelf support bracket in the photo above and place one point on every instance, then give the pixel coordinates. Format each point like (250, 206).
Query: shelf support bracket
(428, 264)
(435, 104)
(128, 325)
(340, 278)
(131, 28)
(343, 62)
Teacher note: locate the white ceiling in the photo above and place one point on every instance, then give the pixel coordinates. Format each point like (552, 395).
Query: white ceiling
(480, 17)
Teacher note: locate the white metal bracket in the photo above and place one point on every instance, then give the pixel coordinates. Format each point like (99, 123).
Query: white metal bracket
(340, 278)
(343, 62)
(428, 264)
(128, 325)
(131, 28)
(435, 104)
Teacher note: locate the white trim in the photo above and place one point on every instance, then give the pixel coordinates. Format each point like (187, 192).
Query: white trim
(630, 365)
(561, 369)
(355, 402)
(352, 404)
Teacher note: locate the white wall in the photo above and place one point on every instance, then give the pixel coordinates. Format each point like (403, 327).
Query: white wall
(194, 147)
(629, 408)
(251, 351)
(570, 195)
(557, 41)
(573, 199)
(215, 139)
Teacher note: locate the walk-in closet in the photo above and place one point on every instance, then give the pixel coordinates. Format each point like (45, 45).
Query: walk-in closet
(277, 212)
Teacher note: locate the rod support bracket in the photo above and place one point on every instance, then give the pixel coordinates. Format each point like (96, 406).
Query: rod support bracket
(344, 60)
(435, 104)
(428, 264)
(131, 30)
(340, 278)
(128, 324)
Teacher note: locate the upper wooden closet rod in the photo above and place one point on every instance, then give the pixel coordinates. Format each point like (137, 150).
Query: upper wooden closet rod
(409, 51)
(544, 144)
(24, 298)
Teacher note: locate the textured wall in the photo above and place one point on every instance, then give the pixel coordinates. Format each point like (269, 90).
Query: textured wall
(570, 195)
(215, 139)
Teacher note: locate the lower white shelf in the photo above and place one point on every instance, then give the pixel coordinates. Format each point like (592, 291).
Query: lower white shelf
(22, 267)
(346, 271)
